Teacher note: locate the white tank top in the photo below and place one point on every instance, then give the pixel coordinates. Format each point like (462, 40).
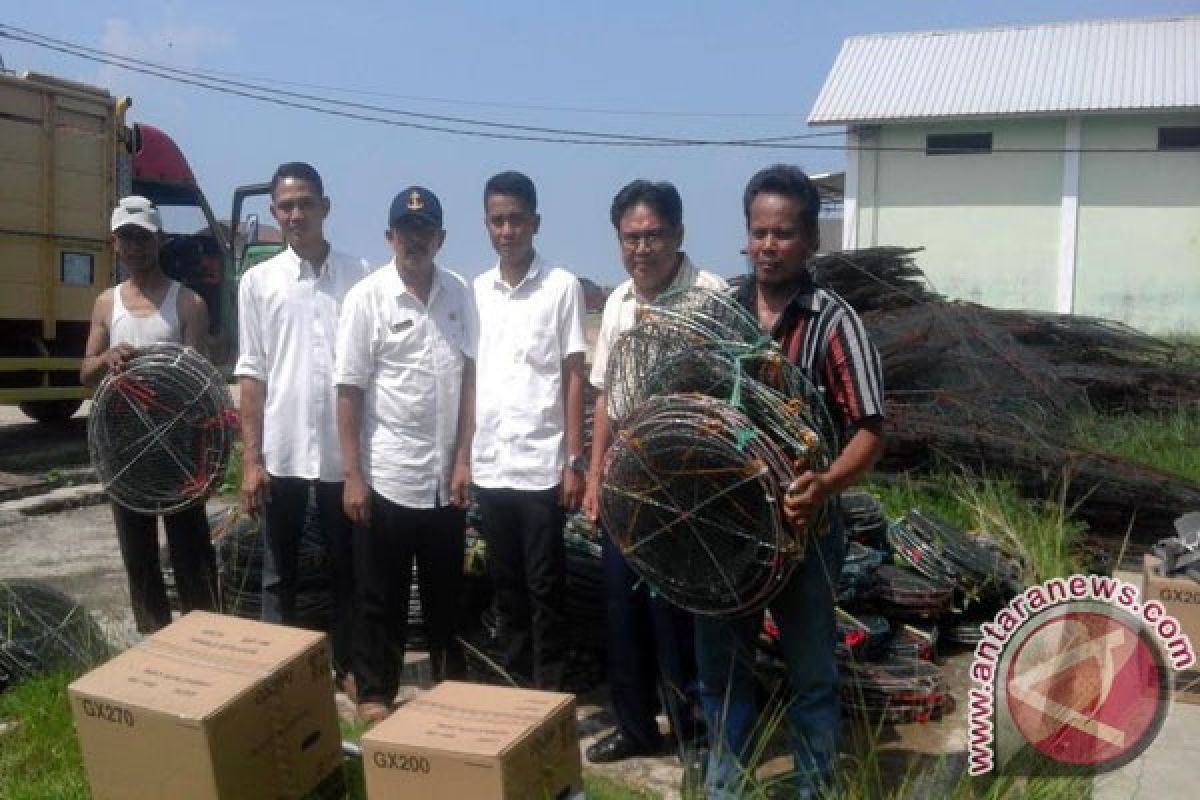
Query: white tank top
(161, 325)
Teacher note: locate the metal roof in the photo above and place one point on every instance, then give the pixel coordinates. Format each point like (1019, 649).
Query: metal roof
(1070, 67)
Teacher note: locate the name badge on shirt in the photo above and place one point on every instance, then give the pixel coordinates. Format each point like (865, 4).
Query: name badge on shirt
(402, 325)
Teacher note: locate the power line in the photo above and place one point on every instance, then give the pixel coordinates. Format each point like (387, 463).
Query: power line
(491, 130)
(452, 101)
(205, 81)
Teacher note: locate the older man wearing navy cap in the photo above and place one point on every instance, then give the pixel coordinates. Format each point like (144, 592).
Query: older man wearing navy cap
(405, 375)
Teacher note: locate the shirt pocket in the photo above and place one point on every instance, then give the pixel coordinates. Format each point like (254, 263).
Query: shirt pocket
(449, 338)
(400, 339)
(540, 348)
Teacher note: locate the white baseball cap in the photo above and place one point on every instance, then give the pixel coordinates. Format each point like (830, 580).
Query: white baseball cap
(136, 210)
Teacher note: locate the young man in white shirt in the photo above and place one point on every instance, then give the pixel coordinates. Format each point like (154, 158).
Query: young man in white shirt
(405, 378)
(527, 457)
(649, 641)
(288, 309)
(146, 309)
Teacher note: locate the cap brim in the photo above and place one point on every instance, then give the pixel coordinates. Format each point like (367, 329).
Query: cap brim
(137, 223)
(432, 220)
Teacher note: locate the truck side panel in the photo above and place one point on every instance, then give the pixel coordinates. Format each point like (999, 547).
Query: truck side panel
(56, 187)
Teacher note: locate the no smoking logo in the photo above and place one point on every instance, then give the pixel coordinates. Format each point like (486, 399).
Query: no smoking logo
(1087, 688)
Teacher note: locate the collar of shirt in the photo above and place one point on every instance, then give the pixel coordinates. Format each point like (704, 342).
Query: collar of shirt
(684, 276)
(536, 267)
(803, 301)
(403, 294)
(306, 269)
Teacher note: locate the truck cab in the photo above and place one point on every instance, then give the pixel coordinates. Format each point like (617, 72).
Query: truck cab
(68, 156)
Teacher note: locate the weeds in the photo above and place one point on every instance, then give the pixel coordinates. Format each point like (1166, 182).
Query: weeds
(232, 482)
(39, 755)
(1169, 441)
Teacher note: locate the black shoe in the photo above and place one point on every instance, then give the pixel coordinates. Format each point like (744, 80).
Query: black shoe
(618, 747)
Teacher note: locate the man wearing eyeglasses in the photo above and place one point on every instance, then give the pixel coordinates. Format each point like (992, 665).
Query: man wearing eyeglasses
(147, 309)
(649, 641)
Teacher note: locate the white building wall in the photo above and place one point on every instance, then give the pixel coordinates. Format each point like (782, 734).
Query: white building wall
(989, 223)
(1138, 251)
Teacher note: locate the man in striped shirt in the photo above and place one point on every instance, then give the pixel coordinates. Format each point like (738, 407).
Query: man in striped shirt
(821, 334)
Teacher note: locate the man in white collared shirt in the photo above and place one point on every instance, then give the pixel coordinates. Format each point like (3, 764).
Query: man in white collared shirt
(649, 641)
(527, 458)
(405, 375)
(288, 309)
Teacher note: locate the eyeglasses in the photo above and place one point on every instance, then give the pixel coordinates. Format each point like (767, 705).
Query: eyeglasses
(652, 238)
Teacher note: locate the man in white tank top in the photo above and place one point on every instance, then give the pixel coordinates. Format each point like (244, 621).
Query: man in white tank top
(146, 309)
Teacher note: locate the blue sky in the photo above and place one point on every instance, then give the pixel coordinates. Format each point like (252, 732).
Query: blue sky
(713, 70)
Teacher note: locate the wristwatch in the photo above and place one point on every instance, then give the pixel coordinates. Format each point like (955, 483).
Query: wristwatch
(577, 463)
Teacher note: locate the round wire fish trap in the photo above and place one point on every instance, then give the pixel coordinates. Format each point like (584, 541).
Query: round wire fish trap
(896, 690)
(678, 322)
(771, 392)
(943, 553)
(691, 495)
(161, 430)
(43, 629)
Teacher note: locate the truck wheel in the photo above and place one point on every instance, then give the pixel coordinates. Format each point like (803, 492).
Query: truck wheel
(51, 412)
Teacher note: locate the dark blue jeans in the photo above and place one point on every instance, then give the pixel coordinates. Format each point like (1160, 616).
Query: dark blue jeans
(650, 657)
(803, 610)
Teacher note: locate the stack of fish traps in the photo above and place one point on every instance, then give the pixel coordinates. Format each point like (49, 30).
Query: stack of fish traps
(711, 425)
(907, 588)
(240, 555)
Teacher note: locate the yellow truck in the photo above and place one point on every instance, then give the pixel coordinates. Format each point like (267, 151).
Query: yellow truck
(66, 156)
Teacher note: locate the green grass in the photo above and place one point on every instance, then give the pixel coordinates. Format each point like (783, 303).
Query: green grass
(1169, 441)
(231, 484)
(601, 788)
(39, 755)
(1040, 534)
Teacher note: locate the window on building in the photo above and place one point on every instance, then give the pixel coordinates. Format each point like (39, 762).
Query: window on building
(954, 144)
(1182, 138)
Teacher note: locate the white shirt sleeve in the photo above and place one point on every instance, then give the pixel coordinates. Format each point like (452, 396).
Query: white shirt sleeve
(252, 355)
(470, 311)
(605, 339)
(354, 360)
(571, 337)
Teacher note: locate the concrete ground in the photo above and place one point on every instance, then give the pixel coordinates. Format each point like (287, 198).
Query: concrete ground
(1170, 767)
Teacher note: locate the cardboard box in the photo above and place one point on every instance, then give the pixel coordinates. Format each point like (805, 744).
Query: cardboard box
(1180, 597)
(464, 740)
(212, 708)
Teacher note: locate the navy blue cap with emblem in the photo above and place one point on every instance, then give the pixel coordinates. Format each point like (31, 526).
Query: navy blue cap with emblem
(415, 202)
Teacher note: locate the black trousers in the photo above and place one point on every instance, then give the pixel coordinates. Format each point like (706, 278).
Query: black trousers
(193, 560)
(283, 526)
(527, 563)
(383, 559)
(650, 651)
